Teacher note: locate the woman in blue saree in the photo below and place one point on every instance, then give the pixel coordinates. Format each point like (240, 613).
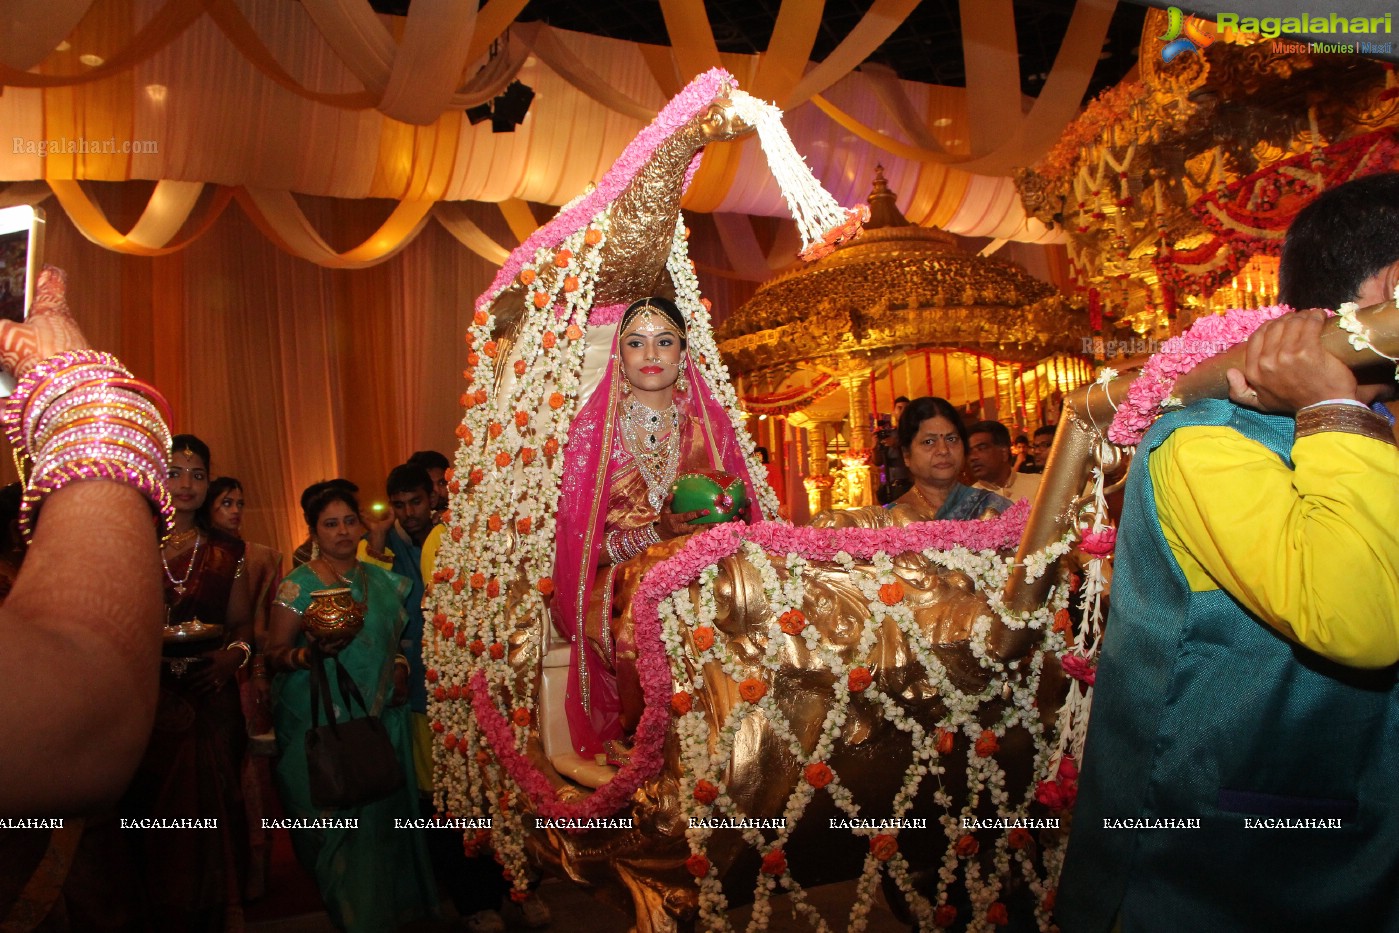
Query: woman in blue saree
(934, 443)
(373, 877)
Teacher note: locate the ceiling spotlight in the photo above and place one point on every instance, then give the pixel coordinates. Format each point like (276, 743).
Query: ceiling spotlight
(509, 109)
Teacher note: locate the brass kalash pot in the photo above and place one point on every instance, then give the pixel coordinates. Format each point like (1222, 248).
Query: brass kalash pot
(334, 617)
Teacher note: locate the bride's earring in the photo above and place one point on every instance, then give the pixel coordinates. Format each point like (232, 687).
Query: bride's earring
(682, 384)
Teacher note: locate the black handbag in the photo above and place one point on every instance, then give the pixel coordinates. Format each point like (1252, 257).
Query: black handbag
(348, 763)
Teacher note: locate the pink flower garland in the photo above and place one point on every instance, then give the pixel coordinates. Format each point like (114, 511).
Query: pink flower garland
(653, 665)
(1207, 337)
(691, 101)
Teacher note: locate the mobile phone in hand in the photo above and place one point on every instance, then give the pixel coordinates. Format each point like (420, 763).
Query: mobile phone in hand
(21, 258)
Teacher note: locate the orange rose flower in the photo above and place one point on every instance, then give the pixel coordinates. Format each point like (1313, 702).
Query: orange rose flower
(480, 396)
(475, 476)
(986, 744)
(521, 717)
(818, 774)
(945, 741)
(705, 792)
(545, 584)
(792, 621)
(439, 694)
(470, 339)
(497, 650)
(456, 532)
(502, 459)
(1050, 900)
(454, 487)
(479, 318)
(438, 727)
(526, 455)
(490, 348)
(541, 299)
(859, 679)
(551, 447)
(526, 278)
(461, 429)
(775, 862)
(967, 846)
(573, 332)
(523, 525)
(945, 916)
(884, 847)
(450, 740)
(478, 580)
(431, 675)
(1019, 838)
(521, 418)
(478, 647)
(493, 588)
(681, 702)
(473, 358)
(460, 642)
(458, 585)
(697, 865)
(556, 400)
(1062, 621)
(562, 257)
(493, 523)
(549, 340)
(704, 637)
(520, 367)
(593, 237)
(483, 757)
(891, 594)
(570, 283)
(998, 914)
(495, 429)
(752, 689)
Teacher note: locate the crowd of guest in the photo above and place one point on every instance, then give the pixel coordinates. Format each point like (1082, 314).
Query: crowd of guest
(237, 697)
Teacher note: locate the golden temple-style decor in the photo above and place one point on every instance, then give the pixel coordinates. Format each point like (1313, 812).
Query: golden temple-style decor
(1176, 190)
(900, 304)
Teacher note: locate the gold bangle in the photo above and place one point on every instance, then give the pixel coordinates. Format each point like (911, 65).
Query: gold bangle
(245, 648)
(1346, 419)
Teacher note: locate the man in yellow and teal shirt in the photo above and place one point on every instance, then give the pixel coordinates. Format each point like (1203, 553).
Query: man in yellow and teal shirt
(1242, 755)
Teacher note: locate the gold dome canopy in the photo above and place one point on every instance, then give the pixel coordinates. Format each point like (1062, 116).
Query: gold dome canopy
(899, 286)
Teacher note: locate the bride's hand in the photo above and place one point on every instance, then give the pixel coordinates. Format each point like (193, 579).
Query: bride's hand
(674, 524)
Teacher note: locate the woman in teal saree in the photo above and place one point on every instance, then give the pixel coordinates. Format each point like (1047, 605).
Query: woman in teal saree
(372, 876)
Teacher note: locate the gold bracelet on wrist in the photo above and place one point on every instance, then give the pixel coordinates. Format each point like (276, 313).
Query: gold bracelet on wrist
(243, 647)
(1347, 419)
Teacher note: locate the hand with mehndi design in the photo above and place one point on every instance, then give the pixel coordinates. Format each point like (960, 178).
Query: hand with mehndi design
(49, 330)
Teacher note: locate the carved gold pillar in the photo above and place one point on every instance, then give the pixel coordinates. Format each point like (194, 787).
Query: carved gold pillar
(818, 478)
(860, 477)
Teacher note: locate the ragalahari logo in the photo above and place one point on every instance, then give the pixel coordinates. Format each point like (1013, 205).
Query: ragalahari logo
(1183, 34)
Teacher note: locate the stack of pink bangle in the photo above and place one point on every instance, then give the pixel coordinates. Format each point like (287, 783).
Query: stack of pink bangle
(80, 416)
(625, 543)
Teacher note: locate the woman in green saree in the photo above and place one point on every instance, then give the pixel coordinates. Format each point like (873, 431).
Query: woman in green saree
(373, 877)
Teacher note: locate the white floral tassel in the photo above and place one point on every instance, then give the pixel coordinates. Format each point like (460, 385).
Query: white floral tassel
(823, 223)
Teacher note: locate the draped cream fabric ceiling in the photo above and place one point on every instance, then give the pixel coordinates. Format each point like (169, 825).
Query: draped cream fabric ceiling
(275, 98)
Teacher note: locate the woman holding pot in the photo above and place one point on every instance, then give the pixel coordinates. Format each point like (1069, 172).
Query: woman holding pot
(372, 875)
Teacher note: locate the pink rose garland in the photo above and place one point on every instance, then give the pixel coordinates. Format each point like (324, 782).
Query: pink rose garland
(1207, 337)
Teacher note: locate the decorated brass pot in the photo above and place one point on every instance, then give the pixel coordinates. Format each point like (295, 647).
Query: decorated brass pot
(723, 494)
(333, 616)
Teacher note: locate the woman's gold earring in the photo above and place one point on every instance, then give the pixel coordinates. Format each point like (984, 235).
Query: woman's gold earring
(682, 385)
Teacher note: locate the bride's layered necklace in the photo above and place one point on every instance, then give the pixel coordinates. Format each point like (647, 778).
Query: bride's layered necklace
(654, 442)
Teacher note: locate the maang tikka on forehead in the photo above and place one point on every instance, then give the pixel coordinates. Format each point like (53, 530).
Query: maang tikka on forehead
(651, 322)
